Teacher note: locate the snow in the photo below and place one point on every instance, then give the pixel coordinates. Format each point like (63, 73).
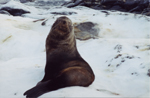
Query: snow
(120, 57)
(4, 1)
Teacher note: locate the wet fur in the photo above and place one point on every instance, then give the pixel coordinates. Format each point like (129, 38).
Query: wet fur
(64, 65)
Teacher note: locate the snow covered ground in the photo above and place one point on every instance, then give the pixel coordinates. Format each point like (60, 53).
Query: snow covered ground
(120, 57)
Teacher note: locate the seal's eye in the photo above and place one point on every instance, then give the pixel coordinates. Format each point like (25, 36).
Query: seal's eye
(64, 22)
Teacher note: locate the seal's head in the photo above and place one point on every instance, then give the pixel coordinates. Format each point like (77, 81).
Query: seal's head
(62, 27)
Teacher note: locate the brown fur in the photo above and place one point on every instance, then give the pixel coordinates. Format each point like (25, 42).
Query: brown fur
(64, 65)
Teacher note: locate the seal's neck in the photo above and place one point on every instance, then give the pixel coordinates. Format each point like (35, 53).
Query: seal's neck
(67, 45)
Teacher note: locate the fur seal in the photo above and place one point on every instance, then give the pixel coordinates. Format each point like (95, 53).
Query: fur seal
(64, 65)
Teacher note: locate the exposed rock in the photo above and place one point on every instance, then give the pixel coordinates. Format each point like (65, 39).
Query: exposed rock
(75, 3)
(4, 12)
(14, 12)
(132, 6)
(118, 48)
(120, 60)
(63, 13)
(146, 11)
(86, 30)
(148, 73)
(24, 1)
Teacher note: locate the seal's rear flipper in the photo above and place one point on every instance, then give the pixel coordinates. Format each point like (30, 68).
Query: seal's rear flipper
(71, 76)
(38, 90)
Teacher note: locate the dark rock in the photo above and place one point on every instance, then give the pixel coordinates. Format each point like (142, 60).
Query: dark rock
(63, 13)
(4, 12)
(117, 7)
(123, 61)
(146, 12)
(134, 73)
(93, 2)
(73, 3)
(148, 72)
(15, 12)
(118, 56)
(24, 1)
(76, 2)
(117, 65)
(44, 22)
(132, 6)
(105, 12)
(137, 47)
(118, 48)
(86, 30)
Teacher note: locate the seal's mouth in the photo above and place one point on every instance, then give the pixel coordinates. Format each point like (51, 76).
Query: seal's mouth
(65, 26)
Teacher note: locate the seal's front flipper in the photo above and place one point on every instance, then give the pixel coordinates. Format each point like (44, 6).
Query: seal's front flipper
(38, 90)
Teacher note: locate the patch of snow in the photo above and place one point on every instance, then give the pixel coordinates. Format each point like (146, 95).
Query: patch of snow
(119, 57)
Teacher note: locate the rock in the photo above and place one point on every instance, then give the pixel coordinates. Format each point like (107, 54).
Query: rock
(24, 1)
(93, 2)
(4, 12)
(132, 6)
(148, 72)
(73, 3)
(146, 11)
(4, 1)
(15, 12)
(130, 62)
(63, 13)
(76, 2)
(86, 30)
